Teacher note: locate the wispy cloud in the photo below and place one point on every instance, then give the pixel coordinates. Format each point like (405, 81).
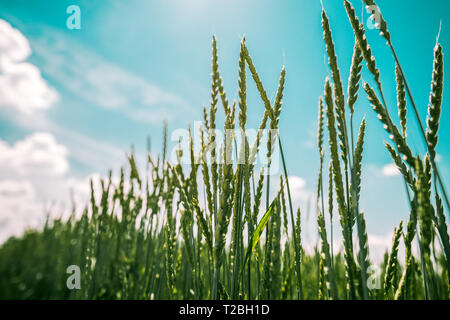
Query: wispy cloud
(390, 170)
(93, 79)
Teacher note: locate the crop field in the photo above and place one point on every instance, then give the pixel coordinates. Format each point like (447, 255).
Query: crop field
(211, 225)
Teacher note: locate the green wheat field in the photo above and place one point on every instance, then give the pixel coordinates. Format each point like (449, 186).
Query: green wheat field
(149, 236)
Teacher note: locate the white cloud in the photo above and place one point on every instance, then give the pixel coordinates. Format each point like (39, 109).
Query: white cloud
(32, 174)
(390, 170)
(300, 194)
(19, 208)
(37, 154)
(14, 46)
(21, 84)
(297, 184)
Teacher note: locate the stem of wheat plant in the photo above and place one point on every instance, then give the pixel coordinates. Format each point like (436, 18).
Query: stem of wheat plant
(152, 235)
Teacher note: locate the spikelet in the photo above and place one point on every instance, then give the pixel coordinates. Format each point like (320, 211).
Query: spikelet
(339, 187)
(332, 60)
(434, 108)
(319, 180)
(222, 93)
(186, 225)
(251, 225)
(392, 264)
(239, 175)
(423, 210)
(283, 207)
(425, 214)
(242, 82)
(205, 118)
(427, 181)
(258, 195)
(134, 173)
(237, 225)
(273, 132)
(169, 249)
(268, 262)
(354, 78)
(278, 99)
(225, 190)
(333, 146)
(338, 91)
(358, 29)
(298, 228)
(275, 269)
(325, 255)
(202, 223)
(330, 190)
(402, 292)
(363, 250)
(193, 187)
(214, 82)
(323, 294)
(212, 121)
(276, 116)
(205, 174)
(255, 148)
(401, 101)
(441, 226)
(357, 163)
(320, 126)
(381, 24)
(259, 85)
(389, 126)
(401, 166)
(330, 208)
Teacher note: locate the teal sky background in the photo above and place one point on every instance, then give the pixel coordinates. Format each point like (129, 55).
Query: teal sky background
(166, 46)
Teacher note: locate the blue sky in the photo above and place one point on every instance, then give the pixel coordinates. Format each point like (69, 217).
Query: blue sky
(135, 63)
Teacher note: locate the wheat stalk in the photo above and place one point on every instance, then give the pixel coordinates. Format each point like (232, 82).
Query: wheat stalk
(392, 263)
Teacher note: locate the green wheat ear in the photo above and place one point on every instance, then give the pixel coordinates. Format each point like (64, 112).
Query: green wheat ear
(401, 99)
(357, 165)
(389, 126)
(320, 121)
(392, 265)
(330, 207)
(242, 82)
(401, 166)
(325, 255)
(355, 77)
(332, 60)
(434, 108)
(338, 91)
(358, 29)
(339, 187)
(381, 24)
(259, 85)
